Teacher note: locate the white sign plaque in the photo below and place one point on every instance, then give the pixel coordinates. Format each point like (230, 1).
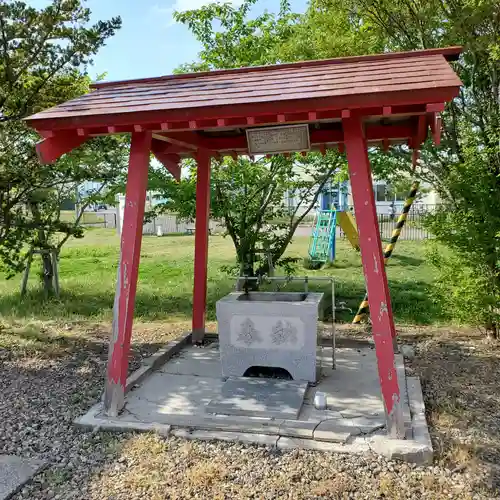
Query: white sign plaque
(284, 139)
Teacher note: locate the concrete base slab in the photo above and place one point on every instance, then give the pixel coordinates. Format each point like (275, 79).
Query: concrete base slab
(200, 362)
(15, 472)
(186, 396)
(254, 397)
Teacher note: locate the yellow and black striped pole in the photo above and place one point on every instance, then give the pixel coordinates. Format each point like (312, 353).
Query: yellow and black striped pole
(363, 307)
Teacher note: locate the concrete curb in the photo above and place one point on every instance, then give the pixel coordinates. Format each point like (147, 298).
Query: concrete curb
(417, 407)
(403, 391)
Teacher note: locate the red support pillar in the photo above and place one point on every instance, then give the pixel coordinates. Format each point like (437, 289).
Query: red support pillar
(123, 312)
(201, 245)
(374, 270)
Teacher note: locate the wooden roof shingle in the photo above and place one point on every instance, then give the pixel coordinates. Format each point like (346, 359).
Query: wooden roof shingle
(341, 82)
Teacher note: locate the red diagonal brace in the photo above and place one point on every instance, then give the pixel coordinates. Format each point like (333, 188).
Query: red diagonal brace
(52, 148)
(169, 161)
(374, 270)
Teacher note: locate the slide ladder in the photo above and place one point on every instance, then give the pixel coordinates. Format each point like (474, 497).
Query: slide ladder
(322, 245)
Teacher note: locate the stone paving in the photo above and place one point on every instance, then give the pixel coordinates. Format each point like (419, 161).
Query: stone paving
(186, 396)
(15, 472)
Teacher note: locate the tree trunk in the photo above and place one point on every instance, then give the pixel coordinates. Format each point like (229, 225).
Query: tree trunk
(48, 274)
(246, 260)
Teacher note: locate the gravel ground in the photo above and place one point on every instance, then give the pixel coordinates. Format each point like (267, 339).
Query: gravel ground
(51, 374)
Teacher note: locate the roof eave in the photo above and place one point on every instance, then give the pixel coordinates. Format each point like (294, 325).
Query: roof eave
(449, 53)
(354, 102)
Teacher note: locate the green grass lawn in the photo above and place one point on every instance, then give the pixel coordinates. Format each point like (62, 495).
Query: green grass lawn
(88, 275)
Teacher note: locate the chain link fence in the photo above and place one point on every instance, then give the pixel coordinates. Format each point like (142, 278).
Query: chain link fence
(170, 224)
(166, 224)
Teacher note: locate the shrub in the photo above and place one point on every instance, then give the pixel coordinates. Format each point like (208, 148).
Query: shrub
(465, 289)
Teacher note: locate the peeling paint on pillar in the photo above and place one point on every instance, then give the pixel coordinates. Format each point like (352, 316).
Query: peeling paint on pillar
(201, 246)
(395, 418)
(373, 269)
(127, 273)
(383, 309)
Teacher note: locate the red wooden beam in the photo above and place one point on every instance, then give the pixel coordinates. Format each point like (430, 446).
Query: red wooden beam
(436, 132)
(168, 160)
(182, 125)
(437, 107)
(128, 268)
(422, 130)
(193, 140)
(352, 102)
(171, 163)
(52, 148)
(179, 140)
(373, 266)
(201, 245)
(380, 132)
(419, 137)
(161, 143)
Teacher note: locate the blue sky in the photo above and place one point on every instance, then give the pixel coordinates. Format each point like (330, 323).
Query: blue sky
(149, 42)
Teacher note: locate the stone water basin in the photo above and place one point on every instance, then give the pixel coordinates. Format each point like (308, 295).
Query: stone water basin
(269, 329)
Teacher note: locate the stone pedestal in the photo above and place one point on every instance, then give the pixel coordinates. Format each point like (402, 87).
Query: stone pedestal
(269, 329)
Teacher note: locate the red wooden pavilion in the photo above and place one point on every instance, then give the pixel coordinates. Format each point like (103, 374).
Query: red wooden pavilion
(351, 103)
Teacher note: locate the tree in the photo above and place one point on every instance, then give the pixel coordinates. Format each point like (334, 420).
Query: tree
(465, 169)
(250, 197)
(231, 39)
(43, 56)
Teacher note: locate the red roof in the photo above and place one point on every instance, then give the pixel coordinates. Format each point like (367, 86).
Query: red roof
(347, 83)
